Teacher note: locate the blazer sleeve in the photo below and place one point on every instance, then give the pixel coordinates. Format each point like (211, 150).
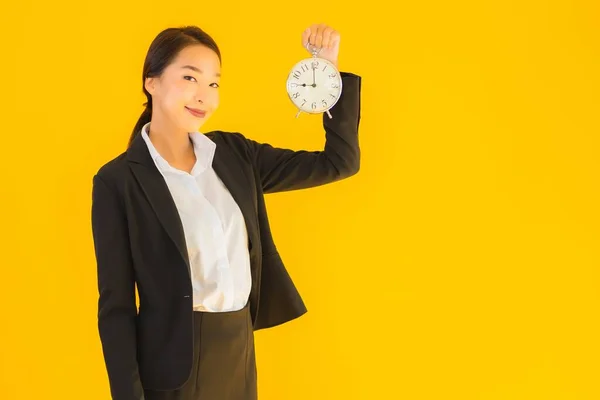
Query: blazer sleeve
(284, 169)
(116, 305)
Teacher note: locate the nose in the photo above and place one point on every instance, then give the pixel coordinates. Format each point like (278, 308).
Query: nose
(201, 95)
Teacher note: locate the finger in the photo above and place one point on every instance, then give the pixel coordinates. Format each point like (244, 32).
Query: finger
(319, 38)
(312, 39)
(306, 37)
(326, 42)
(334, 39)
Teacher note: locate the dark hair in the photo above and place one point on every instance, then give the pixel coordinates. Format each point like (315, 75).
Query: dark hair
(163, 50)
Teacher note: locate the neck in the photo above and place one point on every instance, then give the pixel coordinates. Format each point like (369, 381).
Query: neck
(173, 145)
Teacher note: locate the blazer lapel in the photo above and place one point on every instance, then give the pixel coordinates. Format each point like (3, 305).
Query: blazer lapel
(233, 177)
(156, 190)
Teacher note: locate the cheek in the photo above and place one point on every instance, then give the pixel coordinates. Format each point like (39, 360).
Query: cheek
(179, 96)
(214, 99)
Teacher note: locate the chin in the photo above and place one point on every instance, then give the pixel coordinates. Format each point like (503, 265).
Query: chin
(192, 126)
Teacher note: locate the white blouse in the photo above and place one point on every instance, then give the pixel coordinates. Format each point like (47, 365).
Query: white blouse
(214, 227)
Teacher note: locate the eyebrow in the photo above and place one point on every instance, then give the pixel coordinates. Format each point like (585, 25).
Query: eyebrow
(198, 70)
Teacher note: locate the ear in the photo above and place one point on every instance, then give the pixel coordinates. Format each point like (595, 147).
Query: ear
(150, 85)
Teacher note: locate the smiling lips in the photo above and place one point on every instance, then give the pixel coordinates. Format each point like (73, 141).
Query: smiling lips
(196, 113)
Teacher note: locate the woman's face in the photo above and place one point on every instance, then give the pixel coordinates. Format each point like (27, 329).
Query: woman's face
(187, 93)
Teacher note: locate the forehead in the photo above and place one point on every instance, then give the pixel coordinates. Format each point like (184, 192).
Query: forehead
(200, 57)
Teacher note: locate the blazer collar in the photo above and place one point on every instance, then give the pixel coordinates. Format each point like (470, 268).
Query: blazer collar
(204, 149)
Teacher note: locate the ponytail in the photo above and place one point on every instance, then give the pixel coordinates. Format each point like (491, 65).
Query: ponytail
(143, 120)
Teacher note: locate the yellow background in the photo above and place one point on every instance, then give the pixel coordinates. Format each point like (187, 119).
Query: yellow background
(460, 263)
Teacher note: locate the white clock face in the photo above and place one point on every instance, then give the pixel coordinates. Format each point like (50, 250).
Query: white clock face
(314, 85)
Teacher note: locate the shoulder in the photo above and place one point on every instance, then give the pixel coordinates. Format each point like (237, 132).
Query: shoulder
(231, 138)
(112, 170)
(235, 142)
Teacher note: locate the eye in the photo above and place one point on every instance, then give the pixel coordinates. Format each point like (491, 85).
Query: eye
(191, 77)
(215, 85)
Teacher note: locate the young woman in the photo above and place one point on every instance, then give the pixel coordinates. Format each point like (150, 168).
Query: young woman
(180, 216)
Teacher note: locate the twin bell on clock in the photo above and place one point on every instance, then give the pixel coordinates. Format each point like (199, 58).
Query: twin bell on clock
(314, 84)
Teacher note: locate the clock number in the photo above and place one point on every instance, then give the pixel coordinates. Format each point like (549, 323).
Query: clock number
(297, 74)
(332, 75)
(315, 64)
(304, 68)
(332, 95)
(296, 95)
(304, 102)
(324, 68)
(324, 103)
(335, 85)
(314, 105)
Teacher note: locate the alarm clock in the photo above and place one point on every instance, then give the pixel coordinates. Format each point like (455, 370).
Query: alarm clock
(314, 85)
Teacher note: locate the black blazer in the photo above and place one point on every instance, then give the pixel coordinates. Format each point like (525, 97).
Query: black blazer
(139, 240)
